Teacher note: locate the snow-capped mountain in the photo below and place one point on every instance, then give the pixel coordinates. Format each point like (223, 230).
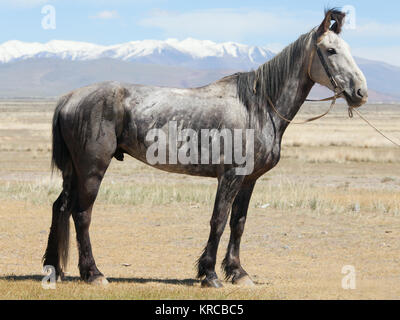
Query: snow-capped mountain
(201, 54)
(55, 67)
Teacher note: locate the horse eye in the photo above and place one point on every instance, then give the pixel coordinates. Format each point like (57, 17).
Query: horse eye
(332, 51)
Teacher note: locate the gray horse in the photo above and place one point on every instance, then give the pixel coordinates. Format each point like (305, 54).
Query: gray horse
(94, 124)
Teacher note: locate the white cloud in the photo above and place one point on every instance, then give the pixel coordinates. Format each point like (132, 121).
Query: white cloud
(23, 3)
(276, 27)
(106, 15)
(34, 3)
(230, 24)
(237, 24)
(376, 41)
(375, 29)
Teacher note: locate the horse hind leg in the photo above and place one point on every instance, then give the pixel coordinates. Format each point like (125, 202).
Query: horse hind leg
(56, 254)
(76, 199)
(90, 164)
(82, 214)
(83, 148)
(51, 256)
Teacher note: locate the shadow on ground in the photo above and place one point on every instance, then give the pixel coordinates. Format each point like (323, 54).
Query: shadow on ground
(186, 282)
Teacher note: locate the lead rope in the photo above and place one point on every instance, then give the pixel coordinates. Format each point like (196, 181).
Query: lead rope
(310, 119)
(337, 95)
(371, 125)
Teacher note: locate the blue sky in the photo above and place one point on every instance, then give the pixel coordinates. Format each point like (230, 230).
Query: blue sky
(271, 23)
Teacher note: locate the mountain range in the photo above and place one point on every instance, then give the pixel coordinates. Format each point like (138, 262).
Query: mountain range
(50, 69)
(192, 53)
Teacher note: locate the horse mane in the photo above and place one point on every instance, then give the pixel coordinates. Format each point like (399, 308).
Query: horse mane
(268, 80)
(253, 87)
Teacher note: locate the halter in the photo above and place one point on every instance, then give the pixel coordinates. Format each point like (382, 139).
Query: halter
(338, 93)
(326, 67)
(336, 88)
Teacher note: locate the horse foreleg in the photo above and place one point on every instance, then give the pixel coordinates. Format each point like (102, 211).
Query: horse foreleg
(228, 186)
(231, 263)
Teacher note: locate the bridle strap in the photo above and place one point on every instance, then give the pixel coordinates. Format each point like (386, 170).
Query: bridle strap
(338, 91)
(326, 67)
(333, 98)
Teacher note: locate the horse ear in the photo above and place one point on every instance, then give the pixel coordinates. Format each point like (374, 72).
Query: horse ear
(324, 26)
(331, 15)
(338, 17)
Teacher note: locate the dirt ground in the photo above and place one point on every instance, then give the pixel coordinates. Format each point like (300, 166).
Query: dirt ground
(333, 201)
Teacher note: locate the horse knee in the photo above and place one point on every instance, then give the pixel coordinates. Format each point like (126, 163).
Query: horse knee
(218, 225)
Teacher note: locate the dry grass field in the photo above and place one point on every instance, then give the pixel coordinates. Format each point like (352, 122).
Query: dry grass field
(333, 200)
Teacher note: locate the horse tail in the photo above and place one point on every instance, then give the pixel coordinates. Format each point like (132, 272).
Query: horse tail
(61, 156)
(61, 159)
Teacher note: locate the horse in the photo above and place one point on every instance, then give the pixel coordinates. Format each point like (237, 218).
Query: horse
(94, 124)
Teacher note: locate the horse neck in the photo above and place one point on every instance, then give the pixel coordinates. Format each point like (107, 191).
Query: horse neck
(293, 92)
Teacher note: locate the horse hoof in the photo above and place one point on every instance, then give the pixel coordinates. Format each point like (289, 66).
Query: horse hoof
(214, 283)
(244, 281)
(99, 281)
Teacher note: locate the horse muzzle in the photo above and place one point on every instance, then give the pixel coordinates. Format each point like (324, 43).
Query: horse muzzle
(357, 98)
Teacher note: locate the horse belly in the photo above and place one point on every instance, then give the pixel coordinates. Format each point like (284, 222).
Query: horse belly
(172, 116)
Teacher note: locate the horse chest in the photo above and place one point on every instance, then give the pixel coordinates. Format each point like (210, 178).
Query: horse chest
(267, 157)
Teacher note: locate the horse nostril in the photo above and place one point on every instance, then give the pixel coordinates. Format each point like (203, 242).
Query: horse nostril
(359, 93)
